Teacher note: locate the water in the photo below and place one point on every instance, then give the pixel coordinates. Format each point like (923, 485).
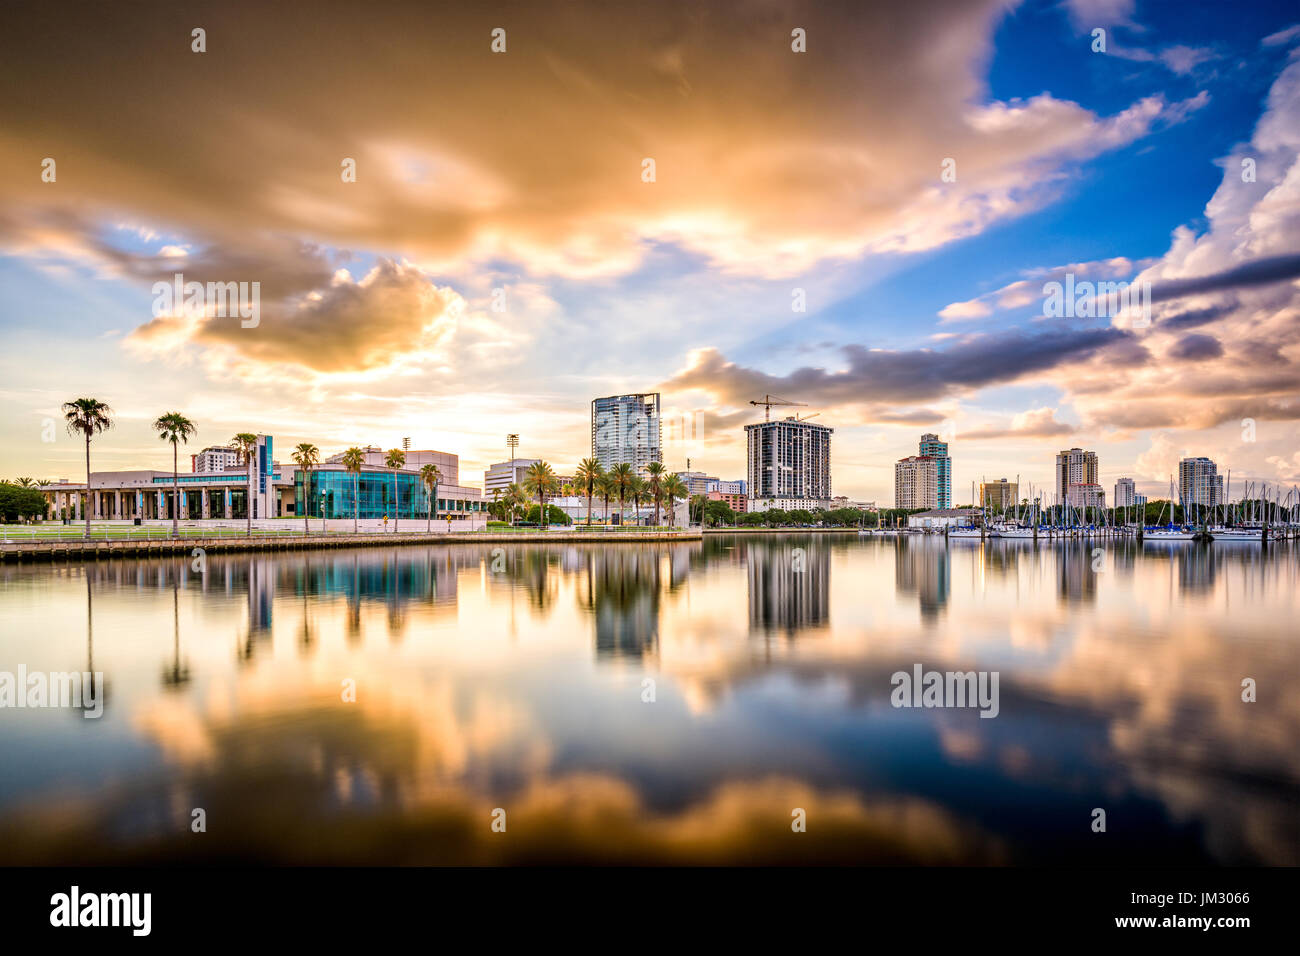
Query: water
(515, 678)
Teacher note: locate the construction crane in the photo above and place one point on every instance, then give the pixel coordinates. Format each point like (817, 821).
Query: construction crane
(770, 400)
(804, 418)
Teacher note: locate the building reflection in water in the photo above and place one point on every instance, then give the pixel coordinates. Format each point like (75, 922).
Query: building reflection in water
(789, 584)
(623, 593)
(921, 567)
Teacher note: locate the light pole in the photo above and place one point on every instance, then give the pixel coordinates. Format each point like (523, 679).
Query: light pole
(512, 443)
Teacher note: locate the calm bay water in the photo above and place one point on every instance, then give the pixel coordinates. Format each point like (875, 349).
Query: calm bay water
(516, 678)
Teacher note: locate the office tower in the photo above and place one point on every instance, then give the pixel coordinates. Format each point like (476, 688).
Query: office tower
(916, 482)
(627, 429)
(502, 474)
(1074, 466)
(1125, 493)
(789, 460)
(1199, 483)
(998, 496)
(931, 447)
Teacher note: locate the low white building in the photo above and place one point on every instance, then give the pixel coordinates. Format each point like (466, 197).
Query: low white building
(939, 518)
(788, 504)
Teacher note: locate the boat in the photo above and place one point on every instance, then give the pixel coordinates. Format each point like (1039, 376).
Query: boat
(1168, 534)
(964, 533)
(1236, 534)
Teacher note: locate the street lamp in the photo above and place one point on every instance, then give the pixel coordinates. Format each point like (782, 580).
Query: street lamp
(512, 442)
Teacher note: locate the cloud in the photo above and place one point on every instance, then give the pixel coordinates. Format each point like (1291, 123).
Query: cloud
(394, 311)
(1196, 348)
(768, 162)
(1029, 292)
(876, 381)
(1281, 37)
(1036, 423)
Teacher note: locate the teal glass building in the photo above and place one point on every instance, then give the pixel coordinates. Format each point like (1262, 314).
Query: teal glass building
(931, 447)
(338, 493)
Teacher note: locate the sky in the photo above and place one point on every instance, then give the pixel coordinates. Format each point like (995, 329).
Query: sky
(865, 225)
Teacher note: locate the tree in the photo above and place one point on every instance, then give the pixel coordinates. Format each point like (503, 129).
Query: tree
(718, 513)
(353, 459)
(430, 476)
(515, 499)
(637, 490)
(307, 456)
(19, 503)
(622, 474)
(655, 483)
(91, 417)
(246, 445)
(539, 481)
(607, 488)
(588, 476)
(395, 459)
(674, 488)
(175, 428)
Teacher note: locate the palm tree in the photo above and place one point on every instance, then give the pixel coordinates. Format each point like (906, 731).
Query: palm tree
(638, 490)
(307, 456)
(515, 498)
(674, 488)
(539, 480)
(89, 416)
(607, 488)
(587, 475)
(430, 476)
(25, 482)
(623, 475)
(175, 428)
(395, 459)
(655, 482)
(246, 445)
(353, 459)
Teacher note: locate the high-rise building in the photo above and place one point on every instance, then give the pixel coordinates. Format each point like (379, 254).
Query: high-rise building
(931, 447)
(1085, 495)
(916, 482)
(789, 459)
(215, 458)
(698, 482)
(502, 474)
(998, 496)
(1125, 493)
(1199, 483)
(626, 429)
(1074, 466)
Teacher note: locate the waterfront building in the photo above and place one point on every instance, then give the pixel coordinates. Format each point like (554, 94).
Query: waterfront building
(738, 487)
(737, 503)
(1074, 466)
(945, 518)
(697, 482)
(502, 474)
(626, 429)
(277, 491)
(1125, 493)
(789, 464)
(1082, 495)
(215, 458)
(931, 447)
(999, 496)
(1199, 483)
(916, 482)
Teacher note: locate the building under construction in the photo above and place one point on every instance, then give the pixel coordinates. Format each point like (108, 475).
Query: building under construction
(789, 464)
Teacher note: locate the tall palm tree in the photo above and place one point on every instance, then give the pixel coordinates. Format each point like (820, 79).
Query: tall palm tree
(89, 416)
(353, 459)
(623, 475)
(587, 474)
(655, 483)
(638, 490)
(674, 488)
(539, 480)
(607, 488)
(395, 459)
(25, 482)
(430, 476)
(246, 445)
(307, 457)
(515, 498)
(175, 428)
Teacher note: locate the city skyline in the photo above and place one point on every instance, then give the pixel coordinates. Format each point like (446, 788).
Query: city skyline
(916, 305)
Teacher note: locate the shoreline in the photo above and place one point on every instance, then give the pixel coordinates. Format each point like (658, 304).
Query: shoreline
(185, 546)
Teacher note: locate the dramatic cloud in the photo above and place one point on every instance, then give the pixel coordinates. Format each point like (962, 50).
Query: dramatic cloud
(766, 161)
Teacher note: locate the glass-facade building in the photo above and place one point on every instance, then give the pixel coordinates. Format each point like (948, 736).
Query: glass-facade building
(931, 447)
(338, 493)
